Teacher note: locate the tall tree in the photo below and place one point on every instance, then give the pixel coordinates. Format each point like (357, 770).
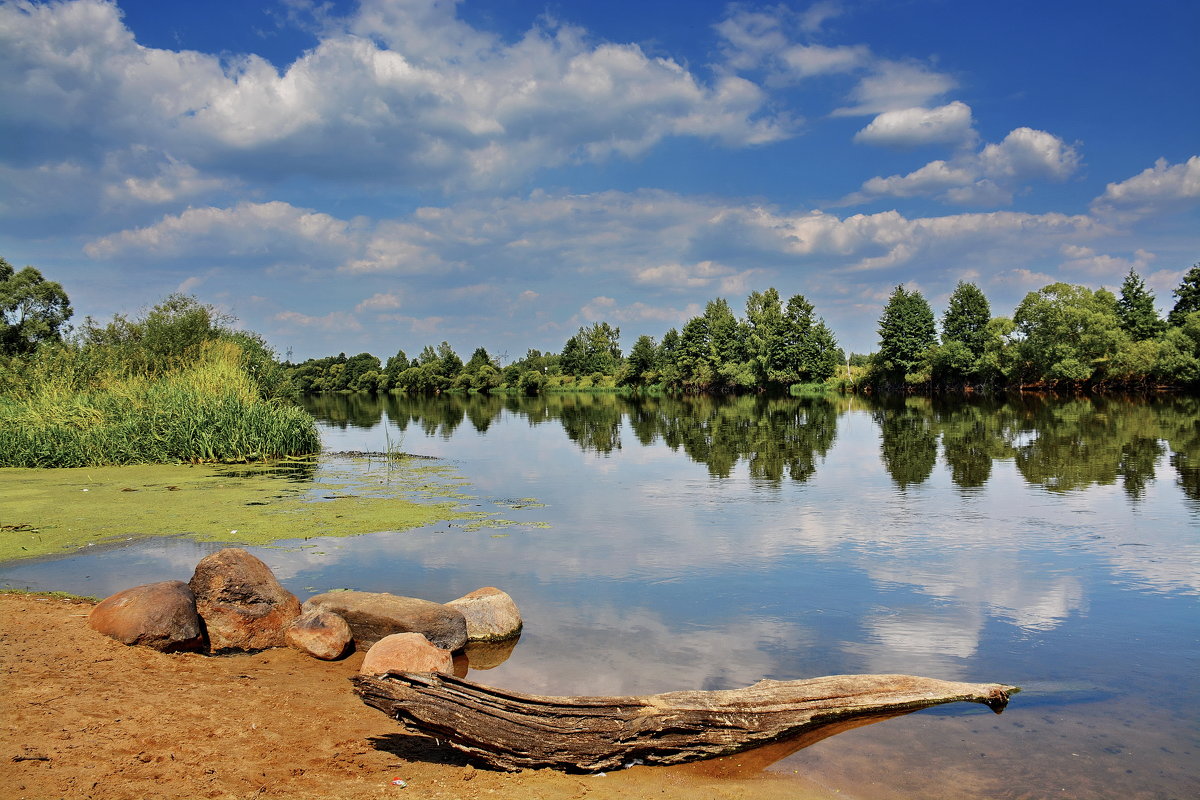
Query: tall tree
(32, 309)
(966, 318)
(906, 331)
(1135, 309)
(1187, 297)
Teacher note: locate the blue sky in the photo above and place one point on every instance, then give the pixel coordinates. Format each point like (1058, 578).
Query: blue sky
(385, 174)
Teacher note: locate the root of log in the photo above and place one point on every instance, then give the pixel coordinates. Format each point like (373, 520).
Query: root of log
(512, 731)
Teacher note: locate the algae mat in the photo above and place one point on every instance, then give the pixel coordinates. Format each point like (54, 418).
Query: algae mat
(54, 511)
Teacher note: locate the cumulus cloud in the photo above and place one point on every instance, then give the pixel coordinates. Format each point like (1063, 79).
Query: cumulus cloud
(1159, 187)
(1027, 153)
(399, 91)
(265, 232)
(655, 239)
(988, 177)
(911, 127)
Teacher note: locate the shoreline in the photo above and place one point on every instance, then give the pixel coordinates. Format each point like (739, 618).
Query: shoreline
(88, 717)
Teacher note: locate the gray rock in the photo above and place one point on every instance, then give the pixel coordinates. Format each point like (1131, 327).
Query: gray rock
(374, 615)
(321, 634)
(491, 614)
(406, 652)
(159, 615)
(244, 608)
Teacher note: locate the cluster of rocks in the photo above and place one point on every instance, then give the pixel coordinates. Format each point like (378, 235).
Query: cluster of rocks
(233, 603)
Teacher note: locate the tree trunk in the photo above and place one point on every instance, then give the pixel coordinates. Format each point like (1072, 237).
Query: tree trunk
(513, 731)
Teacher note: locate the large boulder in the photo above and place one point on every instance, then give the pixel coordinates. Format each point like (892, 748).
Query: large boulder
(243, 606)
(374, 615)
(491, 614)
(159, 615)
(406, 652)
(321, 634)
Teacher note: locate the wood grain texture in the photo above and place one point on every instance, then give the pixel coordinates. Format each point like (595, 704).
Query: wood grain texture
(512, 731)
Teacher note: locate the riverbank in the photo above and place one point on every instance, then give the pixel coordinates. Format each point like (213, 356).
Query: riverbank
(87, 717)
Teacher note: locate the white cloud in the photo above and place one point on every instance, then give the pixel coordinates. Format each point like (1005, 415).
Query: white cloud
(1102, 266)
(911, 127)
(267, 233)
(692, 244)
(1027, 153)
(896, 85)
(1159, 187)
(380, 301)
(334, 321)
(404, 91)
(765, 39)
(989, 177)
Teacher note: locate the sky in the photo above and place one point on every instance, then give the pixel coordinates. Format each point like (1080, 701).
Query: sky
(385, 174)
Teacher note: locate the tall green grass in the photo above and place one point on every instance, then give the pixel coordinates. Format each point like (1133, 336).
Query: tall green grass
(63, 410)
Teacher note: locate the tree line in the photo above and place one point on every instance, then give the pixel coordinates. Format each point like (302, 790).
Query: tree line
(1061, 336)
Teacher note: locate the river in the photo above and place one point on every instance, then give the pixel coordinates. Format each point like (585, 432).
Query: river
(706, 543)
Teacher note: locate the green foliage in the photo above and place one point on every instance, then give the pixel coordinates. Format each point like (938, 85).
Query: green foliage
(33, 310)
(1187, 297)
(66, 415)
(1069, 333)
(967, 315)
(906, 334)
(1135, 309)
(596, 348)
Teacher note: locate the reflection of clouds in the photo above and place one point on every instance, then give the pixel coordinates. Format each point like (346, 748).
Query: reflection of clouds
(605, 650)
(921, 642)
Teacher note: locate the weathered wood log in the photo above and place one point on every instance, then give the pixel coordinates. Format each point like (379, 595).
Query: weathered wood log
(513, 731)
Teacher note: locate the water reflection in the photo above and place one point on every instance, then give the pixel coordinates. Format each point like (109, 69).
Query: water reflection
(1060, 445)
(705, 543)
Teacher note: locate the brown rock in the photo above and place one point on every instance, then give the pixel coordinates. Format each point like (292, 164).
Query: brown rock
(406, 652)
(243, 606)
(321, 634)
(159, 615)
(491, 614)
(374, 615)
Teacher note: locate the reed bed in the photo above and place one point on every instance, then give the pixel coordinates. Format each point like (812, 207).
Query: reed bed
(67, 413)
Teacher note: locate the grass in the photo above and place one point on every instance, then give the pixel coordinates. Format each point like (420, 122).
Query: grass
(211, 410)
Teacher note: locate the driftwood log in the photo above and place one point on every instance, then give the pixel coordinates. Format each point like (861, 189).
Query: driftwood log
(514, 731)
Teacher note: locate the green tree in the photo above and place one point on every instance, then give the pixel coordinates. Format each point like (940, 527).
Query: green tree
(1069, 333)
(32, 309)
(1135, 309)
(906, 332)
(1187, 297)
(642, 363)
(966, 318)
(595, 348)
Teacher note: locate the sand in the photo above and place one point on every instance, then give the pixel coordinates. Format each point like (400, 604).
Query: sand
(83, 716)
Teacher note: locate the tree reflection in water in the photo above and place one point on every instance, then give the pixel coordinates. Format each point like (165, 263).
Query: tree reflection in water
(1060, 444)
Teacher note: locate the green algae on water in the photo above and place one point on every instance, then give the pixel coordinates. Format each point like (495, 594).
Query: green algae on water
(52, 511)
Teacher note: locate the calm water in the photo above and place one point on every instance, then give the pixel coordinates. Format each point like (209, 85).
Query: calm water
(710, 543)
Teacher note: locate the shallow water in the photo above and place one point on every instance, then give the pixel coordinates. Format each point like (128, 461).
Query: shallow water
(707, 543)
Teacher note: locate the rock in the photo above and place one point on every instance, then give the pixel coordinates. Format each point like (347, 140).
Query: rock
(243, 606)
(159, 615)
(406, 652)
(321, 634)
(491, 614)
(374, 615)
